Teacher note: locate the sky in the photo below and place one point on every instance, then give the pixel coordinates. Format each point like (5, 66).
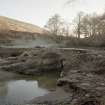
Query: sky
(39, 11)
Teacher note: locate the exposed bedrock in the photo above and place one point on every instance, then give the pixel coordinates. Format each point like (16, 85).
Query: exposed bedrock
(82, 77)
(31, 63)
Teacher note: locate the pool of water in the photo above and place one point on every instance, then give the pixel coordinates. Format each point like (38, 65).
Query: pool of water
(23, 90)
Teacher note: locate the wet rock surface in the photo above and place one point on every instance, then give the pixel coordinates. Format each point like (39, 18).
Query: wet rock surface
(82, 77)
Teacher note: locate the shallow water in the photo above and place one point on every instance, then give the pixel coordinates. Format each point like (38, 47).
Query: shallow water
(22, 90)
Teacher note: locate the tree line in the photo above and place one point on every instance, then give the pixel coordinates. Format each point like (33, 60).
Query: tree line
(87, 29)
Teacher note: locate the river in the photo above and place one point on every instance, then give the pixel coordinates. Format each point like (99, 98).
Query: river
(23, 89)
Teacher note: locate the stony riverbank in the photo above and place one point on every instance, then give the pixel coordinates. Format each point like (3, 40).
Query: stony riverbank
(82, 73)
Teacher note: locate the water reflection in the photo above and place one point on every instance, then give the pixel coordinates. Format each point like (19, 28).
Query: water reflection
(24, 89)
(3, 88)
(48, 81)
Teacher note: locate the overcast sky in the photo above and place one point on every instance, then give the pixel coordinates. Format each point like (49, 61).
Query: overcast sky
(38, 11)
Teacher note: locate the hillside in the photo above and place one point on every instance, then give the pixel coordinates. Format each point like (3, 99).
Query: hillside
(15, 25)
(14, 33)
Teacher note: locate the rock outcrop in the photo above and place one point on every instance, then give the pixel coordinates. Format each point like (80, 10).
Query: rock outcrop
(85, 78)
(31, 63)
(82, 77)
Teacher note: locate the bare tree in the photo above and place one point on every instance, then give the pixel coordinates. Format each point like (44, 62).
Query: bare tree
(92, 25)
(54, 24)
(78, 25)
